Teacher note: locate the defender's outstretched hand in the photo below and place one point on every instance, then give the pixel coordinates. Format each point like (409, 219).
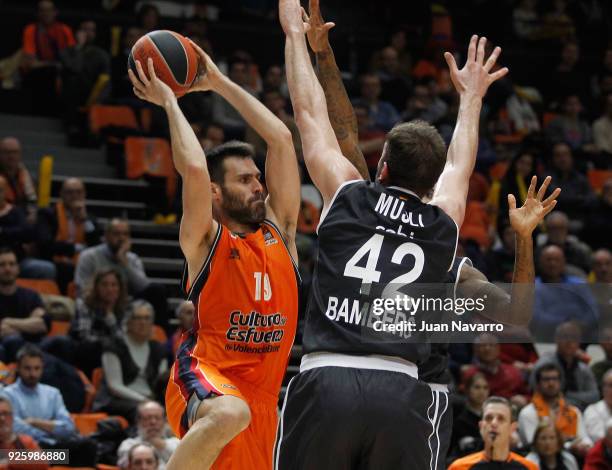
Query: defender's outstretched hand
(525, 219)
(209, 75)
(150, 89)
(474, 78)
(316, 28)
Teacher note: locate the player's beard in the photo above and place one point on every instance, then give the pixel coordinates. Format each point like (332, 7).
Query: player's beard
(251, 213)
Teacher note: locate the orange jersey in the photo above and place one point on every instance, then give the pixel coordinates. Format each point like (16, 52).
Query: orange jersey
(246, 300)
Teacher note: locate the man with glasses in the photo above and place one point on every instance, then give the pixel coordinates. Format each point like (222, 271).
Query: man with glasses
(548, 402)
(66, 229)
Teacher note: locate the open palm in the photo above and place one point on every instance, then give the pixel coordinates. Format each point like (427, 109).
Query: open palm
(525, 219)
(317, 30)
(475, 77)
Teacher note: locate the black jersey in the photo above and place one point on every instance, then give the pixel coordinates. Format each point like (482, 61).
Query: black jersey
(374, 242)
(435, 369)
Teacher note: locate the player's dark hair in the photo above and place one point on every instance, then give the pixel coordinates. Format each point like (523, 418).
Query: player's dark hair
(216, 157)
(29, 350)
(495, 400)
(548, 368)
(415, 155)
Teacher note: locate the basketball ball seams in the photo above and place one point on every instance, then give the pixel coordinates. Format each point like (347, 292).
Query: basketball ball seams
(180, 63)
(186, 82)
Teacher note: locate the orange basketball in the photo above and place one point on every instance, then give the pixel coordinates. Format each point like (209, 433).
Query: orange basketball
(174, 59)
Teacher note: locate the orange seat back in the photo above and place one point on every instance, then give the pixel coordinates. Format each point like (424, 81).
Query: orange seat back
(42, 286)
(87, 423)
(59, 328)
(101, 116)
(159, 334)
(597, 178)
(150, 156)
(498, 170)
(102, 466)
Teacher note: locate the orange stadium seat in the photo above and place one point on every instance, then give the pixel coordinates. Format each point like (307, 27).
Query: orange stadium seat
(597, 178)
(150, 156)
(102, 466)
(87, 423)
(159, 334)
(101, 116)
(42, 286)
(59, 328)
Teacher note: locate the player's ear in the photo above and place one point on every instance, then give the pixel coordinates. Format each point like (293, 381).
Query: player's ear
(215, 189)
(383, 176)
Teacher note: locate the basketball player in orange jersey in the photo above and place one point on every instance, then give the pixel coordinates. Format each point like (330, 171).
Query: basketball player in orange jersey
(240, 275)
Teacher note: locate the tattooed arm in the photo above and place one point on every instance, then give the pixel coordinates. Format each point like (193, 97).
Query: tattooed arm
(339, 108)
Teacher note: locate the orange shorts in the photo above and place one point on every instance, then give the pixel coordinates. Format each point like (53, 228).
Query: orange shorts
(253, 447)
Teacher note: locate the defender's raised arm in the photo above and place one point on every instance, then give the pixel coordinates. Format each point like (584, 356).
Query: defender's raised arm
(326, 165)
(472, 83)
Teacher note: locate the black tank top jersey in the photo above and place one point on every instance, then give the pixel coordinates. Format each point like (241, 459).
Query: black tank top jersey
(435, 369)
(373, 241)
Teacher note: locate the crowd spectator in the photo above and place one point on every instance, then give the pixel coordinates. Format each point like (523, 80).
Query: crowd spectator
(184, 312)
(547, 449)
(274, 80)
(223, 112)
(142, 457)
(399, 43)
(496, 429)
(526, 20)
(148, 17)
(570, 128)
(133, 365)
(9, 440)
(382, 113)
(371, 138)
(504, 379)
(115, 252)
(605, 341)
(561, 297)
(500, 260)
(599, 221)
(17, 233)
(425, 105)
(20, 192)
(548, 402)
(601, 284)
(523, 118)
(22, 314)
(579, 384)
(66, 229)
(42, 43)
(120, 82)
(568, 78)
(600, 456)
(151, 429)
(597, 415)
(577, 253)
(466, 437)
(275, 102)
(40, 412)
(82, 66)
(395, 82)
(212, 136)
(516, 181)
(602, 129)
(576, 194)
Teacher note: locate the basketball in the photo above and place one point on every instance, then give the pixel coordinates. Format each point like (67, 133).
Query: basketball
(174, 59)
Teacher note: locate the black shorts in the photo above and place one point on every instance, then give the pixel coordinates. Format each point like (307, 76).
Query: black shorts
(343, 418)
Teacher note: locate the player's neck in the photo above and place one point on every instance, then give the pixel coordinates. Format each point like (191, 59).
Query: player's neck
(240, 228)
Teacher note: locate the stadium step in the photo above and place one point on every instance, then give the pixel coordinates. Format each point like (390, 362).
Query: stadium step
(110, 209)
(165, 265)
(157, 249)
(148, 229)
(107, 188)
(16, 122)
(171, 284)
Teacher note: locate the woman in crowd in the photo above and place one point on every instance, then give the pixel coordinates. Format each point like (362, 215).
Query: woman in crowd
(547, 449)
(98, 316)
(135, 367)
(466, 430)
